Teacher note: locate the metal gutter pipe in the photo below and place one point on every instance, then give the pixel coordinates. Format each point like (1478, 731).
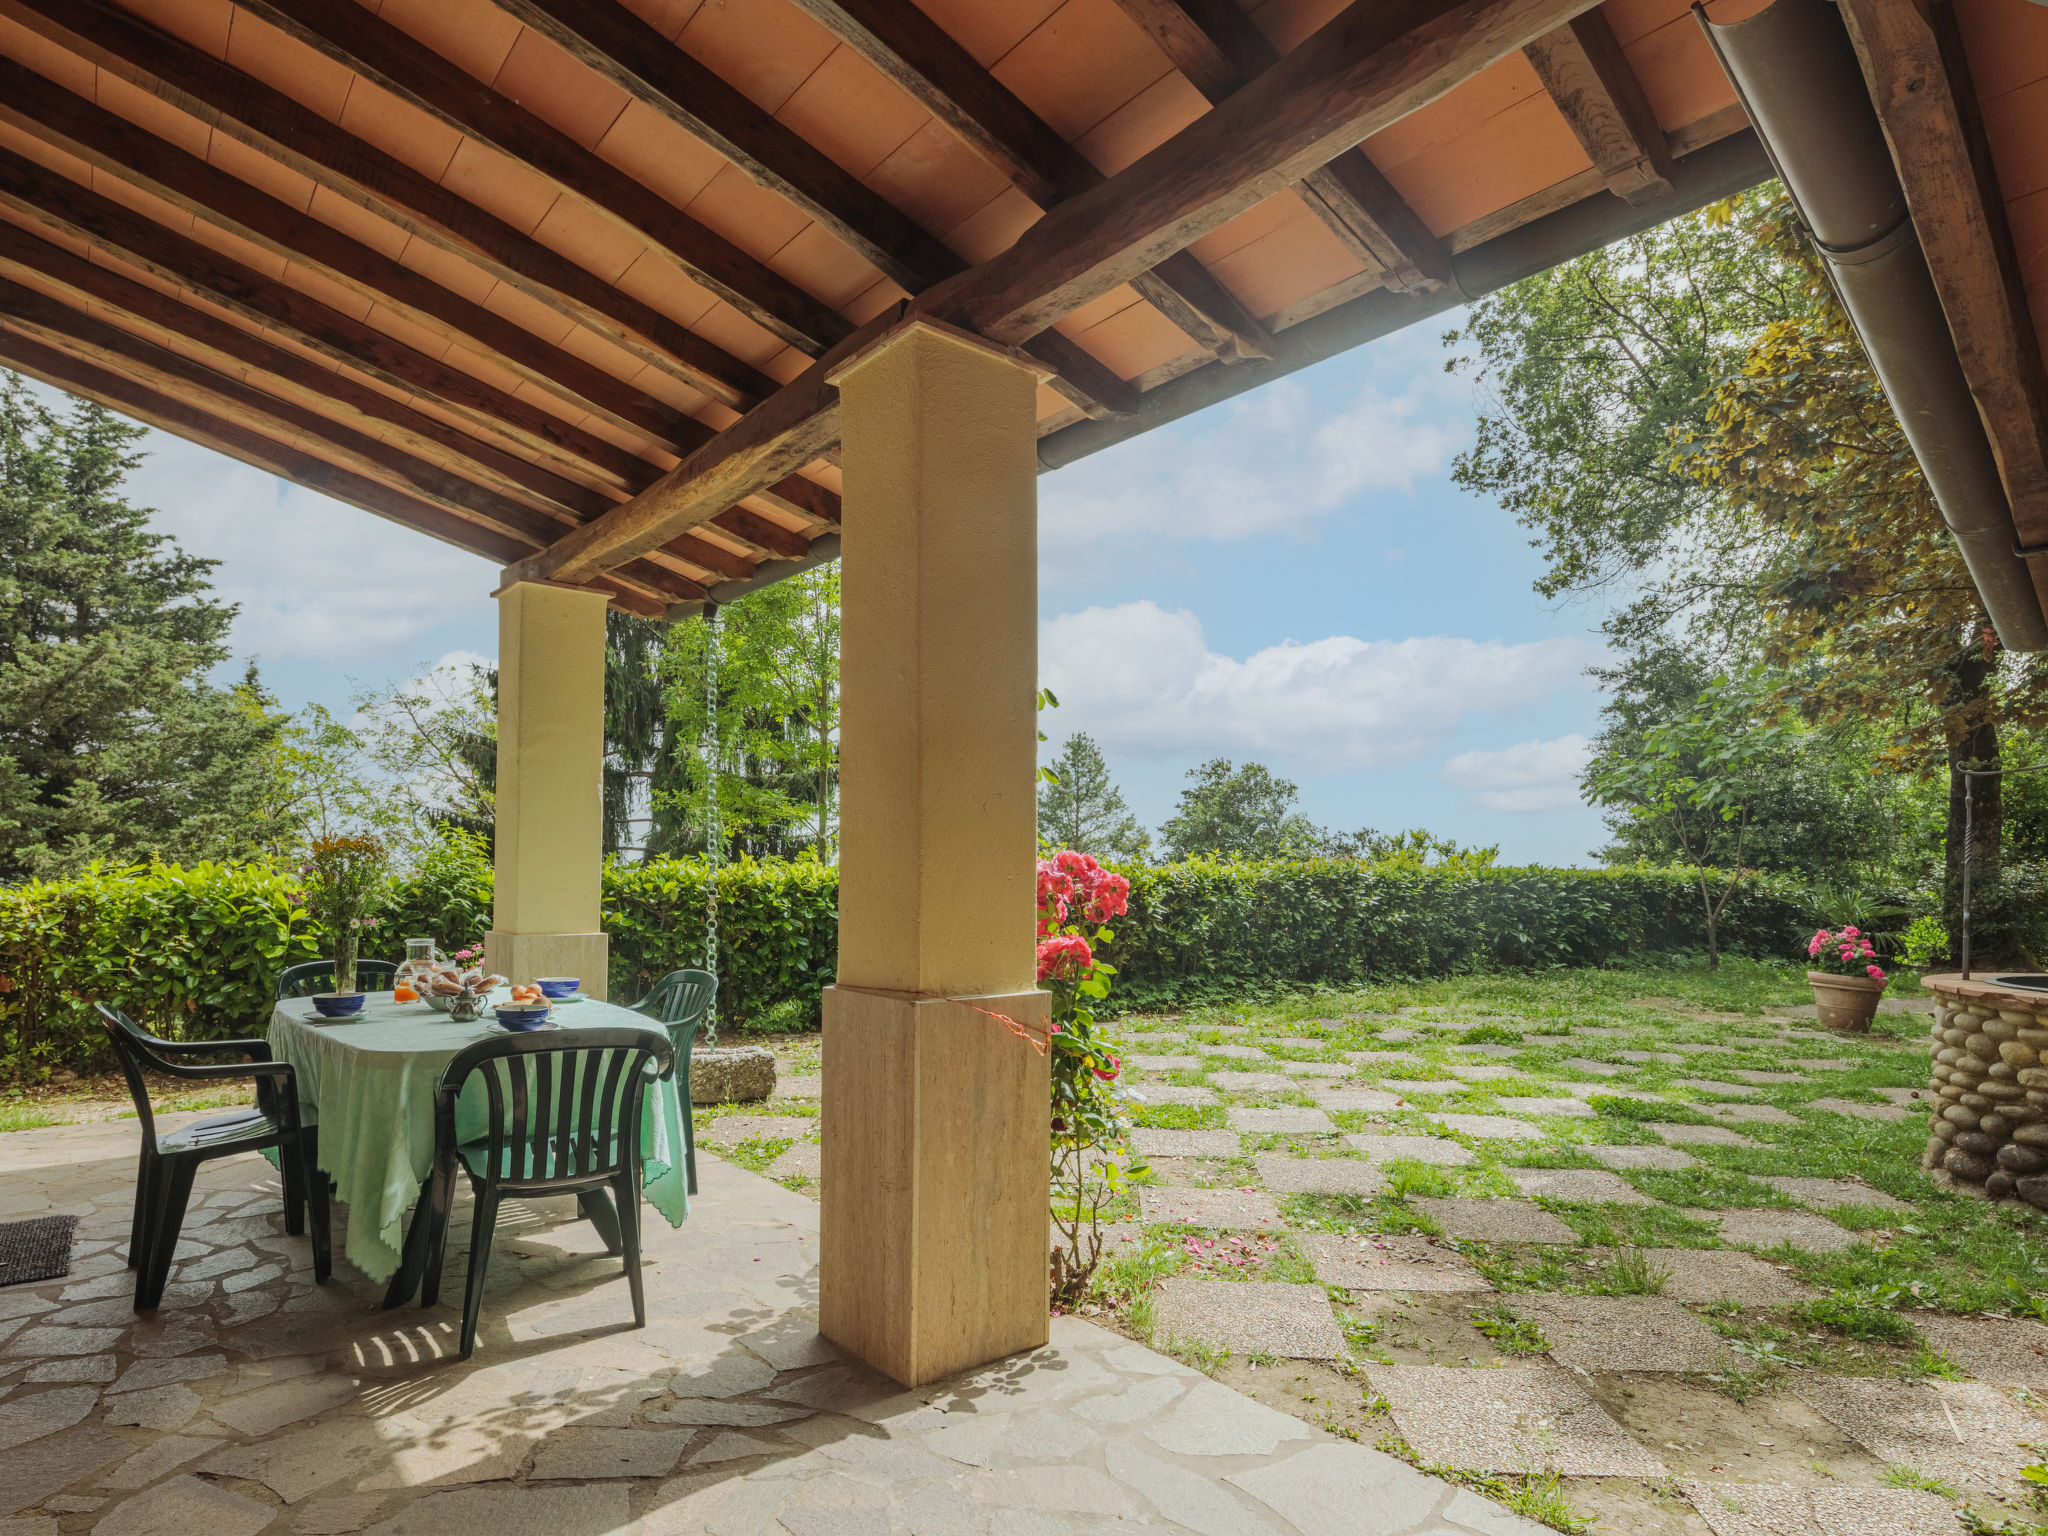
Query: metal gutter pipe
(823, 548)
(1797, 74)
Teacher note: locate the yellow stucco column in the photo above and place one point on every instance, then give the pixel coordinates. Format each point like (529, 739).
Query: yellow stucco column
(550, 814)
(933, 1253)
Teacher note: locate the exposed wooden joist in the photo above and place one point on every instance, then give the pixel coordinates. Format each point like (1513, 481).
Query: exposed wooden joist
(1919, 80)
(379, 51)
(944, 78)
(805, 498)
(1372, 65)
(763, 533)
(1220, 48)
(116, 147)
(272, 123)
(1583, 68)
(771, 442)
(80, 281)
(56, 201)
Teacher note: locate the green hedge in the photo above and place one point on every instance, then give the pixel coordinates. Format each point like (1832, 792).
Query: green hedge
(192, 952)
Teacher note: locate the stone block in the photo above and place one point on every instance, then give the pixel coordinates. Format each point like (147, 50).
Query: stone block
(1495, 1221)
(1248, 1317)
(1623, 1333)
(1515, 1419)
(1225, 1209)
(1281, 1122)
(1404, 1263)
(731, 1074)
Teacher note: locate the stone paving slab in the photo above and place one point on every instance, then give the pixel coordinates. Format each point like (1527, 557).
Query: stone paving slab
(1319, 1175)
(1905, 1098)
(1248, 1317)
(1164, 1063)
(2005, 1351)
(1372, 1059)
(1236, 1052)
(1438, 1150)
(803, 1159)
(1405, 1085)
(731, 1130)
(1758, 1509)
(1668, 1058)
(1748, 1114)
(1281, 1122)
(1489, 1048)
(1158, 1143)
(1319, 1069)
(1578, 1186)
(1515, 1419)
(1893, 1112)
(1470, 1072)
(1825, 1194)
(1751, 1076)
(1405, 1263)
(1768, 1229)
(1173, 1093)
(1399, 1036)
(1703, 1136)
(1544, 1105)
(1372, 1101)
(1489, 1127)
(1234, 1210)
(1495, 1221)
(1594, 1068)
(1667, 1159)
(1253, 1082)
(1701, 1275)
(1301, 1042)
(1964, 1432)
(1715, 1085)
(1623, 1333)
(1823, 1064)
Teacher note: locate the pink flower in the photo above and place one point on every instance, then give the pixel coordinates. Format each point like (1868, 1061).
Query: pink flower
(1849, 933)
(1874, 972)
(1065, 957)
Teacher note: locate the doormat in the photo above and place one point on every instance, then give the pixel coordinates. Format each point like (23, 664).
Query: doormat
(38, 1249)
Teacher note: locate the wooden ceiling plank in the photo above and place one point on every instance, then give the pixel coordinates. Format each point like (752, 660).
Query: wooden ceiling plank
(118, 148)
(181, 418)
(381, 52)
(23, 253)
(1919, 80)
(947, 81)
(804, 498)
(57, 201)
(759, 531)
(613, 42)
(108, 346)
(1582, 67)
(1089, 384)
(1373, 64)
(274, 125)
(710, 556)
(1220, 49)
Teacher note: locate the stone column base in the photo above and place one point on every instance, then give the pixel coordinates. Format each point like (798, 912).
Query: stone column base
(936, 1181)
(522, 956)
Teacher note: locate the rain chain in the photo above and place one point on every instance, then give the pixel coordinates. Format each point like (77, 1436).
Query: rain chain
(712, 847)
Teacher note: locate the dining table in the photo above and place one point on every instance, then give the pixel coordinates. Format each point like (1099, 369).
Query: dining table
(367, 1083)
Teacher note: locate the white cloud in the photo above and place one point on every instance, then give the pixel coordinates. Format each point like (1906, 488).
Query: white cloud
(1270, 466)
(1529, 776)
(1143, 680)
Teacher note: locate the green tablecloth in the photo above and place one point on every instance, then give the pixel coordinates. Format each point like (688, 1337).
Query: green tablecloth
(369, 1082)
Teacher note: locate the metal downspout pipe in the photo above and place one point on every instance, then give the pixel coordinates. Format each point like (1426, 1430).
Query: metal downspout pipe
(1797, 74)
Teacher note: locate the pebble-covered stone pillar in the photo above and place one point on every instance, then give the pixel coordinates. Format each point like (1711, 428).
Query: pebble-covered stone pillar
(1989, 1129)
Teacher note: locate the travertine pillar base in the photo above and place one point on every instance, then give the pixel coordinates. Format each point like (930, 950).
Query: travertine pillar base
(520, 957)
(936, 1181)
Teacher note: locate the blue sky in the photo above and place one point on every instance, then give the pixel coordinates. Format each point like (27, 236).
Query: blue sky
(1290, 577)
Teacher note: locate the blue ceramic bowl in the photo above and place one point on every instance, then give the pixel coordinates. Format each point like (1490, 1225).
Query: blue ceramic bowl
(337, 1005)
(521, 1017)
(558, 986)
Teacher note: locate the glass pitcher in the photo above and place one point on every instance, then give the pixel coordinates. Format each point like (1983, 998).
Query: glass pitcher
(421, 958)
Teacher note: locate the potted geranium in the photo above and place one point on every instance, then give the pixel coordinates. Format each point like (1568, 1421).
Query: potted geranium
(1849, 982)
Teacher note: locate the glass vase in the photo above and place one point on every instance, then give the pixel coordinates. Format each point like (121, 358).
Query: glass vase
(345, 943)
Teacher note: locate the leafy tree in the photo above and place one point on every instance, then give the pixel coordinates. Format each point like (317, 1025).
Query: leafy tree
(1247, 812)
(1698, 777)
(1079, 808)
(113, 743)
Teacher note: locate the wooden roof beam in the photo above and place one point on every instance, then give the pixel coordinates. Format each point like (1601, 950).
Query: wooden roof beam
(56, 201)
(1920, 83)
(1373, 64)
(274, 125)
(118, 148)
(1582, 67)
(82, 281)
(947, 81)
(1219, 48)
(374, 48)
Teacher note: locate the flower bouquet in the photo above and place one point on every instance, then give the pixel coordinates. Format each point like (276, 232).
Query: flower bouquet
(344, 880)
(1847, 981)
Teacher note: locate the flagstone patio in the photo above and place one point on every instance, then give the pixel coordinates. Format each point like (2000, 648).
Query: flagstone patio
(256, 1401)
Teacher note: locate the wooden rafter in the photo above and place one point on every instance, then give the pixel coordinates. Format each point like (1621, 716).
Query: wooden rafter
(1582, 67)
(1370, 66)
(1220, 48)
(278, 127)
(946, 80)
(1919, 80)
(374, 48)
(55, 201)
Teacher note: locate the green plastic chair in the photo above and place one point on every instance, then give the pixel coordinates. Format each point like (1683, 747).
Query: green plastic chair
(311, 976)
(680, 1002)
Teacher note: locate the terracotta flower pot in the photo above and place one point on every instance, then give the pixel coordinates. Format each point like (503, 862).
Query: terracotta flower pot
(1847, 1003)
